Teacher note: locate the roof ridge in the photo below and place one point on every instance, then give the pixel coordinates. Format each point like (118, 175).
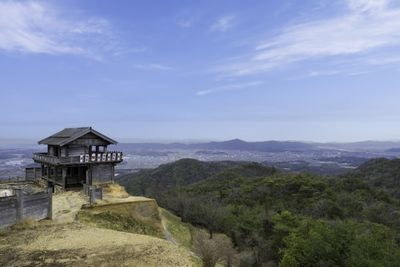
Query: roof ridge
(68, 135)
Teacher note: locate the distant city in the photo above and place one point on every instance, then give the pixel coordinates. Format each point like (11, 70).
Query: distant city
(319, 158)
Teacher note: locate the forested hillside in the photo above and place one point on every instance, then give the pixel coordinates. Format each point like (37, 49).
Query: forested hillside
(381, 173)
(283, 218)
(180, 173)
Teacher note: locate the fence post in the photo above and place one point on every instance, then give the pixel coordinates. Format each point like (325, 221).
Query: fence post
(92, 195)
(50, 205)
(20, 204)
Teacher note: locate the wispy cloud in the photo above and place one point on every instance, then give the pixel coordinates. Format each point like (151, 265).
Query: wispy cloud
(39, 28)
(130, 50)
(223, 24)
(384, 60)
(152, 66)
(324, 73)
(229, 87)
(367, 26)
(184, 23)
(186, 18)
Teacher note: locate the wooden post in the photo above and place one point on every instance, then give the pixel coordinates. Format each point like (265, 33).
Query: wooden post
(113, 173)
(48, 172)
(92, 195)
(20, 204)
(50, 205)
(88, 176)
(64, 175)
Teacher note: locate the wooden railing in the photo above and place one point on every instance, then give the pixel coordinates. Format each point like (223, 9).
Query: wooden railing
(46, 158)
(112, 156)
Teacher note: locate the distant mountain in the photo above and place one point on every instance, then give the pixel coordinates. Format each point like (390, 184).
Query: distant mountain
(393, 150)
(268, 146)
(361, 146)
(235, 144)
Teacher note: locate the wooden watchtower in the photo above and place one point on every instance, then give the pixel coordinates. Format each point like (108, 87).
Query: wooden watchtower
(77, 156)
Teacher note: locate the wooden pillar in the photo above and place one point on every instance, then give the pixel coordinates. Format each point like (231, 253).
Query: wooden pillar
(50, 205)
(88, 176)
(64, 175)
(48, 172)
(113, 173)
(54, 174)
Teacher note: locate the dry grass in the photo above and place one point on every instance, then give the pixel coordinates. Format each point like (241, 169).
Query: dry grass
(114, 191)
(25, 224)
(119, 222)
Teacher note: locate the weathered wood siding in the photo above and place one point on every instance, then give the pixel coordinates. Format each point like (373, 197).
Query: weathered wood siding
(8, 211)
(33, 173)
(18, 207)
(36, 206)
(76, 150)
(89, 139)
(102, 173)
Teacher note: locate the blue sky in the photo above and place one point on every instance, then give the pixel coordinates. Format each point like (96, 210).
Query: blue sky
(315, 70)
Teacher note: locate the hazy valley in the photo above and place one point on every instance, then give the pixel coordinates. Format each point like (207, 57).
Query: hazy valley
(320, 158)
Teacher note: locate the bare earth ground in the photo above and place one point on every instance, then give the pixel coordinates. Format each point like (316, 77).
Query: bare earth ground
(66, 205)
(66, 242)
(75, 244)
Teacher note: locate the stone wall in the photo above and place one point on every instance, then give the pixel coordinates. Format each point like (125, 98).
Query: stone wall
(18, 207)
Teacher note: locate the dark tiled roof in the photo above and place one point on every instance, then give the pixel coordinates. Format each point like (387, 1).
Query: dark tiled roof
(70, 134)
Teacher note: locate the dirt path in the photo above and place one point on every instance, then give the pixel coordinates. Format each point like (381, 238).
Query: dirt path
(168, 235)
(66, 205)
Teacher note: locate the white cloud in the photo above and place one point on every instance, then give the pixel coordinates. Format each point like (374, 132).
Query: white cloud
(222, 24)
(368, 25)
(38, 28)
(229, 87)
(367, 5)
(324, 73)
(152, 66)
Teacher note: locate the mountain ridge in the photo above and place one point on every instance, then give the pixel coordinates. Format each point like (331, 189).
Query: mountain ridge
(269, 145)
